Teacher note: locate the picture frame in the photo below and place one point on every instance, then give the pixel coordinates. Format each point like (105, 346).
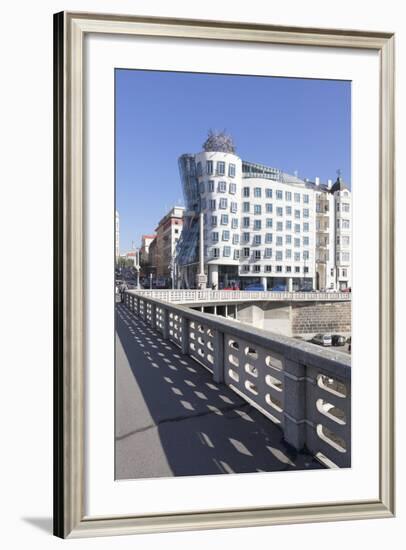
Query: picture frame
(70, 518)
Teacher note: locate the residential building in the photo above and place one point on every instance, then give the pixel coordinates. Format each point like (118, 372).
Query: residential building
(261, 224)
(146, 241)
(168, 233)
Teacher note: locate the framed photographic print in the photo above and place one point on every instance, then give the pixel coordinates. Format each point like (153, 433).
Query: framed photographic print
(224, 292)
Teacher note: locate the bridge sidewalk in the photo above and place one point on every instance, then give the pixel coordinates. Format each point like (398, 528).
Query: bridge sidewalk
(173, 420)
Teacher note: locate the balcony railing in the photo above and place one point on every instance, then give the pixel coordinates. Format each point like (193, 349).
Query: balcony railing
(304, 389)
(193, 296)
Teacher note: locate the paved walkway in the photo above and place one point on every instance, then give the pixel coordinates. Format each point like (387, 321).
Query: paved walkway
(173, 420)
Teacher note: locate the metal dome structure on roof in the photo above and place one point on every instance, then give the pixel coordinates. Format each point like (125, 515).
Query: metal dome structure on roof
(219, 142)
(339, 185)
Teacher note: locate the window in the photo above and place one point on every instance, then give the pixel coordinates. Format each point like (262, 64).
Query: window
(306, 269)
(345, 207)
(288, 269)
(288, 210)
(245, 268)
(288, 225)
(279, 195)
(234, 223)
(269, 222)
(224, 219)
(213, 221)
(226, 235)
(233, 188)
(268, 207)
(279, 268)
(297, 269)
(222, 187)
(199, 169)
(306, 199)
(245, 191)
(297, 256)
(297, 227)
(215, 252)
(279, 240)
(246, 252)
(231, 170)
(246, 237)
(256, 268)
(221, 168)
(338, 224)
(297, 214)
(223, 204)
(268, 268)
(279, 226)
(257, 225)
(201, 187)
(214, 236)
(332, 272)
(306, 227)
(338, 207)
(268, 237)
(236, 254)
(245, 206)
(226, 251)
(288, 196)
(203, 204)
(210, 186)
(209, 167)
(257, 254)
(257, 209)
(344, 273)
(297, 197)
(246, 222)
(305, 241)
(345, 240)
(279, 211)
(288, 253)
(345, 224)
(297, 243)
(305, 212)
(236, 239)
(212, 204)
(257, 239)
(278, 255)
(345, 256)
(233, 207)
(268, 193)
(268, 252)
(305, 254)
(288, 239)
(257, 191)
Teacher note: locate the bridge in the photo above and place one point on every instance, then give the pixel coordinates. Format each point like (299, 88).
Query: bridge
(199, 393)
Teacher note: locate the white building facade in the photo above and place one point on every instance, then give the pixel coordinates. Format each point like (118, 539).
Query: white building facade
(262, 225)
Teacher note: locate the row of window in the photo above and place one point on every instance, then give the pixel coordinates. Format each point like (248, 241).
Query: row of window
(257, 239)
(246, 207)
(343, 240)
(222, 204)
(256, 255)
(221, 187)
(343, 257)
(343, 223)
(343, 206)
(268, 269)
(219, 167)
(279, 194)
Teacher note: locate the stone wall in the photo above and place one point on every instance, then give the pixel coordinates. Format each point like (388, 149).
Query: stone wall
(329, 317)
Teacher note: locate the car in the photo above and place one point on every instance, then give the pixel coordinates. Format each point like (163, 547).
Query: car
(279, 288)
(338, 340)
(322, 339)
(254, 286)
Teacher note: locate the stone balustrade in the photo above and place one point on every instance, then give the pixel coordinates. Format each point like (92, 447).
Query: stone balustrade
(304, 389)
(196, 296)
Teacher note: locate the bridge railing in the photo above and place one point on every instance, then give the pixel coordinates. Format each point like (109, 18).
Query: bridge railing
(304, 389)
(185, 296)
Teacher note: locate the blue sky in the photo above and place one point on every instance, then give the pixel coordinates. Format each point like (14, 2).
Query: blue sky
(291, 124)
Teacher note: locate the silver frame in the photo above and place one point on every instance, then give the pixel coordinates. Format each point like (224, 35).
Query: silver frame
(69, 517)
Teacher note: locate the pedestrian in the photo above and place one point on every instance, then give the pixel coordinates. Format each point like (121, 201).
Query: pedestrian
(123, 288)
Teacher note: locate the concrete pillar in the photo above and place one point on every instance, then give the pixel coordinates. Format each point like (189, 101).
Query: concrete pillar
(226, 311)
(185, 336)
(218, 366)
(214, 276)
(215, 310)
(138, 307)
(290, 284)
(264, 282)
(165, 331)
(294, 406)
(153, 316)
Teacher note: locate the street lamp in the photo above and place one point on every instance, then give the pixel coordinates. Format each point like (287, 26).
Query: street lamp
(137, 267)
